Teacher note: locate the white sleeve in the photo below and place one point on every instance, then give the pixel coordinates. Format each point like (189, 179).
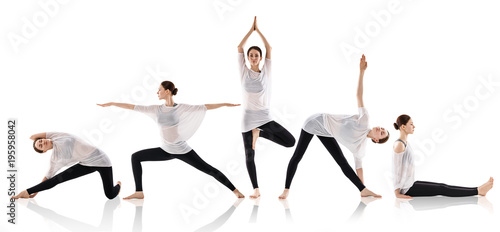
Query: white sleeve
(54, 167)
(150, 111)
(267, 67)
(241, 65)
(397, 170)
(358, 163)
(54, 135)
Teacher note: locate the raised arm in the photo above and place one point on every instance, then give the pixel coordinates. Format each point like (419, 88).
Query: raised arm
(121, 105)
(266, 44)
(362, 67)
(215, 106)
(42, 135)
(244, 41)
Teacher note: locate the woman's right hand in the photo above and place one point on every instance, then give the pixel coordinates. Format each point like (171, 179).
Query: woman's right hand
(106, 104)
(254, 26)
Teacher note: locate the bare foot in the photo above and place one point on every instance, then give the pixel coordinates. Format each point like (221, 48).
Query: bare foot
(255, 135)
(284, 195)
(256, 194)
(238, 194)
(136, 195)
(23, 194)
(368, 193)
(483, 189)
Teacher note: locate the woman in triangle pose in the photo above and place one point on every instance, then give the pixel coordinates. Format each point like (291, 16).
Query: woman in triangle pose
(352, 131)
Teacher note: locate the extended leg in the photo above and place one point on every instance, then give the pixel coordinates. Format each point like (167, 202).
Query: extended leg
(73, 172)
(425, 188)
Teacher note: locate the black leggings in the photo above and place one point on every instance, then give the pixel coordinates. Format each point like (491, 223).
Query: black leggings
(191, 158)
(425, 189)
(271, 131)
(76, 171)
(333, 147)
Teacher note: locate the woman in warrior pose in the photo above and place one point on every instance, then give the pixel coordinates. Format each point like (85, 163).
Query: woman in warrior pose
(68, 149)
(352, 131)
(177, 122)
(257, 121)
(403, 170)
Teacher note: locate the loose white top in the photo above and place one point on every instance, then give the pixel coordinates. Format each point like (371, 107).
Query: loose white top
(177, 124)
(256, 94)
(403, 169)
(348, 130)
(69, 149)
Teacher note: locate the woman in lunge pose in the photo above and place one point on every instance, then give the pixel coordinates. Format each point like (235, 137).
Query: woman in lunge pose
(403, 170)
(177, 123)
(352, 131)
(68, 149)
(257, 121)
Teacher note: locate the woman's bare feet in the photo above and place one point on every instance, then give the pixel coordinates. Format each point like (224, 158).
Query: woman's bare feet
(368, 193)
(255, 135)
(136, 195)
(483, 189)
(238, 194)
(256, 193)
(284, 195)
(23, 194)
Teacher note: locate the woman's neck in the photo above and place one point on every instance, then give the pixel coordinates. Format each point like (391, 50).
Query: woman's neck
(255, 68)
(403, 136)
(169, 101)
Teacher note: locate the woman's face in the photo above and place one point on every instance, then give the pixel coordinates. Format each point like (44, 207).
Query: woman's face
(254, 57)
(409, 127)
(379, 134)
(162, 93)
(43, 144)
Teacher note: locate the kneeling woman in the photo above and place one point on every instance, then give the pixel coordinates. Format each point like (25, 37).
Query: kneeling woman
(69, 149)
(352, 131)
(403, 170)
(177, 123)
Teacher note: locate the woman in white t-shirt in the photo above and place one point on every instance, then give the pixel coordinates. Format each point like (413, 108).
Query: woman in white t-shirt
(177, 123)
(403, 170)
(68, 149)
(352, 131)
(257, 121)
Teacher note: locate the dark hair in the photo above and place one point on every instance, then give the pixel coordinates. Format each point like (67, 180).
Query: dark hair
(402, 120)
(384, 139)
(170, 86)
(254, 48)
(34, 146)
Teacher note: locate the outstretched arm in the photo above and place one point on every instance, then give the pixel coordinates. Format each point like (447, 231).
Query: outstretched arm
(215, 106)
(362, 67)
(39, 135)
(121, 105)
(244, 41)
(266, 44)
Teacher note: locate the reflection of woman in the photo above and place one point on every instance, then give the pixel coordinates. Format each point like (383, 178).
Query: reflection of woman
(177, 123)
(68, 149)
(352, 131)
(257, 120)
(403, 170)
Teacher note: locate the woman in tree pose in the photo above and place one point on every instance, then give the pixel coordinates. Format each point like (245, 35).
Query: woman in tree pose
(257, 121)
(68, 149)
(352, 131)
(403, 170)
(177, 122)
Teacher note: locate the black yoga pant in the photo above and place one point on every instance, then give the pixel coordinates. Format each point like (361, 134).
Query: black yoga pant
(425, 189)
(272, 131)
(191, 158)
(76, 171)
(333, 147)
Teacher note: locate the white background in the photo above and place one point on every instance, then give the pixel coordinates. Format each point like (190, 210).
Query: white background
(425, 59)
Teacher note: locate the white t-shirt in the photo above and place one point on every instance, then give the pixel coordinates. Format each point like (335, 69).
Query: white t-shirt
(403, 169)
(177, 124)
(69, 149)
(348, 130)
(256, 94)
